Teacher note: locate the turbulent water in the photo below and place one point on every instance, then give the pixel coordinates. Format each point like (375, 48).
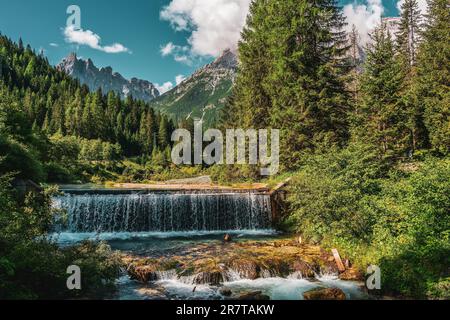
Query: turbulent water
(156, 224)
(164, 212)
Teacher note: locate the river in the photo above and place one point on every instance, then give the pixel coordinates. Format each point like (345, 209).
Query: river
(159, 224)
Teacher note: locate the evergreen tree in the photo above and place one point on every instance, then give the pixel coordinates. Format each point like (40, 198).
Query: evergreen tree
(382, 118)
(251, 103)
(164, 133)
(433, 79)
(407, 43)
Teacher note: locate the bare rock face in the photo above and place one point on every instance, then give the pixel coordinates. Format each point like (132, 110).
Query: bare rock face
(107, 80)
(325, 294)
(204, 94)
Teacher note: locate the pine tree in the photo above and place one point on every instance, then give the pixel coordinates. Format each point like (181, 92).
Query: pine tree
(309, 98)
(146, 131)
(409, 30)
(356, 61)
(382, 116)
(407, 42)
(251, 103)
(163, 133)
(433, 78)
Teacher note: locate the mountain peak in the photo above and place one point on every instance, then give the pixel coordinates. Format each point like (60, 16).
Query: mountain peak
(203, 94)
(106, 79)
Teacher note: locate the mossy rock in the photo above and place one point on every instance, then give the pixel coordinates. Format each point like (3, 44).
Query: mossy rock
(325, 294)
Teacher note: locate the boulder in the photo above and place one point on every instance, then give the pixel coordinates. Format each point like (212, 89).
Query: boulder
(253, 296)
(245, 268)
(211, 278)
(303, 268)
(142, 273)
(226, 292)
(325, 294)
(227, 238)
(351, 275)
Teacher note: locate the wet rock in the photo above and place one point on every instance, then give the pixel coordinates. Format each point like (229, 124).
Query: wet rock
(245, 268)
(226, 292)
(211, 278)
(325, 294)
(142, 273)
(253, 296)
(227, 238)
(351, 275)
(303, 268)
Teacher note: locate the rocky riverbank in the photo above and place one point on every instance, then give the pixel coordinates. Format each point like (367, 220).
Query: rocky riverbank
(216, 263)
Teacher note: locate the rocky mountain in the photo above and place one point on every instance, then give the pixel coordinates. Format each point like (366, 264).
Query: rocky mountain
(202, 95)
(392, 25)
(87, 73)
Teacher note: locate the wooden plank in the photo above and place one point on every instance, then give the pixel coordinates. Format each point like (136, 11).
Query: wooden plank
(338, 260)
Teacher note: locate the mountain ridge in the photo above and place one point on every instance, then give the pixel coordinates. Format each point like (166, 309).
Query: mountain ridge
(106, 79)
(203, 94)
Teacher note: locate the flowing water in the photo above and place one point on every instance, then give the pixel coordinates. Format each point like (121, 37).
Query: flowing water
(156, 224)
(165, 212)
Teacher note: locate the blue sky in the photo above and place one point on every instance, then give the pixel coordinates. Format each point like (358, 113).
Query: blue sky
(137, 26)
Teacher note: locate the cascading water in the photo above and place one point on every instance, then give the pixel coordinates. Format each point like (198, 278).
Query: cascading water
(164, 212)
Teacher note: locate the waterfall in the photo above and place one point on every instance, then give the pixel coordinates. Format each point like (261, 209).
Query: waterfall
(164, 212)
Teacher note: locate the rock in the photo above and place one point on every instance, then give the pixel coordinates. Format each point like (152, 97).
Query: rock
(245, 268)
(107, 80)
(211, 278)
(227, 238)
(142, 273)
(325, 294)
(304, 269)
(226, 292)
(351, 275)
(253, 296)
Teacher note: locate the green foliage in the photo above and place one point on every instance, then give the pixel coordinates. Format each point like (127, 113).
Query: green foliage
(433, 75)
(400, 222)
(293, 59)
(382, 117)
(32, 267)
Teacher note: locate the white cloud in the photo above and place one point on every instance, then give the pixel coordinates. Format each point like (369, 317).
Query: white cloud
(179, 79)
(422, 5)
(167, 49)
(179, 53)
(365, 17)
(214, 25)
(90, 39)
(165, 87)
(52, 44)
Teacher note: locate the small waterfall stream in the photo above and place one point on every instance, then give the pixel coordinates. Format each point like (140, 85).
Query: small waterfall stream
(164, 212)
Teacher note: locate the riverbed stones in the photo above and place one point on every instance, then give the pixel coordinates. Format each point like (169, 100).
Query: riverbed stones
(227, 238)
(325, 294)
(253, 296)
(226, 292)
(216, 262)
(351, 274)
(246, 269)
(211, 278)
